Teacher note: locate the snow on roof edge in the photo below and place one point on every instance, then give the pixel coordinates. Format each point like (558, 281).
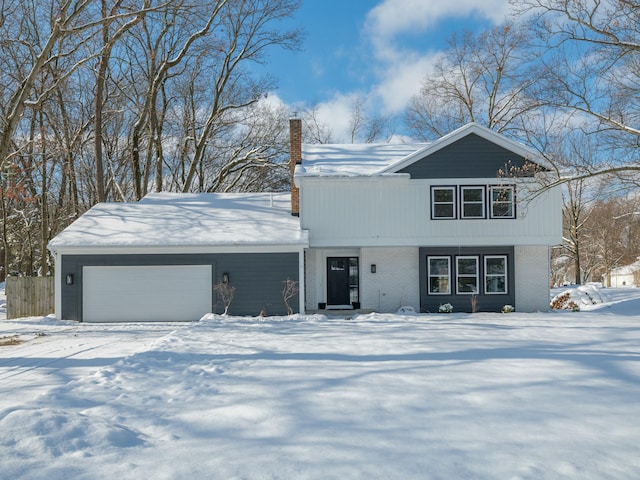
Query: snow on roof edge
(171, 220)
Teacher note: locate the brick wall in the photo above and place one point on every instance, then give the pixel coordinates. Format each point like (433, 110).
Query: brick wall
(532, 278)
(396, 282)
(295, 158)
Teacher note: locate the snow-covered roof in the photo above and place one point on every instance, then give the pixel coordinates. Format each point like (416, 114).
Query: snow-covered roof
(626, 269)
(352, 159)
(185, 219)
(388, 158)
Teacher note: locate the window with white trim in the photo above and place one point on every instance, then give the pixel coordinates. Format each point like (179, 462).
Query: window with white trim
(443, 202)
(467, 275)
(472, 202)
(439, 275)
(495, 274)
(502, 201)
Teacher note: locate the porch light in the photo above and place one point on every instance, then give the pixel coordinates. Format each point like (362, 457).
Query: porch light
(225, 277)
(69, 279)
(373, 268)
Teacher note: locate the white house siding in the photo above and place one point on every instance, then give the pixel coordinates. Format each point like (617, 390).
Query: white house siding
(625, 276)
(532, 278)
(622, 280)
(311, 278)
(395, 210)
(316, 273)
(396, 281)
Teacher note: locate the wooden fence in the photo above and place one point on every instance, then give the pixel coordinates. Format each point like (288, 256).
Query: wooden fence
(29, 296)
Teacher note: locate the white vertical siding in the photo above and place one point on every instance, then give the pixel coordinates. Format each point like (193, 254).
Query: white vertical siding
(532, 278)
(58, 285)
(396, 282)
(302, 287)
(395, 210)
(311, 278)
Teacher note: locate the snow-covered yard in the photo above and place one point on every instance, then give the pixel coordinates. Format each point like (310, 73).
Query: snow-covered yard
(482, 396)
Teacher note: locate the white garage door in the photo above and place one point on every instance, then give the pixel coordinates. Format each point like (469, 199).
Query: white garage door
(166, 293)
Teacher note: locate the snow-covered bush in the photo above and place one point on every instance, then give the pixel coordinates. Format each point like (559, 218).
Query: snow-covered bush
(508, 309)
(579, 297)
(446, 308)
(564, 302)
(406, 310)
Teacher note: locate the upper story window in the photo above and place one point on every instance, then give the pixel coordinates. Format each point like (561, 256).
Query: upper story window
(443, 202)
(472, 203)
(502, 201)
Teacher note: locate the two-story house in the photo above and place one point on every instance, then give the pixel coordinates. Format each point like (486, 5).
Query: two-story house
(372, 227)
(424, 225)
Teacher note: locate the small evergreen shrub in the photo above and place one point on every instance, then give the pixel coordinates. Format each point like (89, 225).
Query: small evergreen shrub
(446, 308)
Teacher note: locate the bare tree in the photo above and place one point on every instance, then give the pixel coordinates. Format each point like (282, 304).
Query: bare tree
(365, 127)
(289, 291)
(314, 129)
(590, 65)
(65, 34)
(361, 126)
(250, 154)
(109, 15)
(94, 93)
(486, 79)
(225, 293)
(245, 33)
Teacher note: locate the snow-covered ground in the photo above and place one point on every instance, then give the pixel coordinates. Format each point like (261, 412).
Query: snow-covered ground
(482, 396)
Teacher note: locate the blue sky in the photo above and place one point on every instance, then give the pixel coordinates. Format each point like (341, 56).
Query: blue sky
(378, 50)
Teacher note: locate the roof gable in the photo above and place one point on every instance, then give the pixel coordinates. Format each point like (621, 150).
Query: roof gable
(472, 151)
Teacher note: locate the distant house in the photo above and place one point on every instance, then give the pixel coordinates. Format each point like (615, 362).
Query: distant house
(373, 227)
(624, 276)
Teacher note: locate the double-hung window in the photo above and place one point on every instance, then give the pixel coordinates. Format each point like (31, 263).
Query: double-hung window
(472, 274)
(495, 274)
(443, 202)
(472, 202)
(502, 201)
(439, 273)
(467, 275)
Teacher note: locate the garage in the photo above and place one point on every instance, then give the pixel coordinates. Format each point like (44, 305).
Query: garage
(159, 259)
(146, 293)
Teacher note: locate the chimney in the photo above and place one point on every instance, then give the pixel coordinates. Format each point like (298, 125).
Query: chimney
(295, 158)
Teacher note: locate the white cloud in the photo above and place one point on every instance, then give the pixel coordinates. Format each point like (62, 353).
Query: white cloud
(402, 78)
(336, 113)
(400, 68)
(397, 67)
(273, 101)
(392, 17)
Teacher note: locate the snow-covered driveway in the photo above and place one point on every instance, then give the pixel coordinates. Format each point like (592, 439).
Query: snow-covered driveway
(484, 396)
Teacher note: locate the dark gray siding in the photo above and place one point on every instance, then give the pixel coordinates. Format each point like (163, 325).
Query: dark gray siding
(470, 157)
(462, 303)
(257, 277)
